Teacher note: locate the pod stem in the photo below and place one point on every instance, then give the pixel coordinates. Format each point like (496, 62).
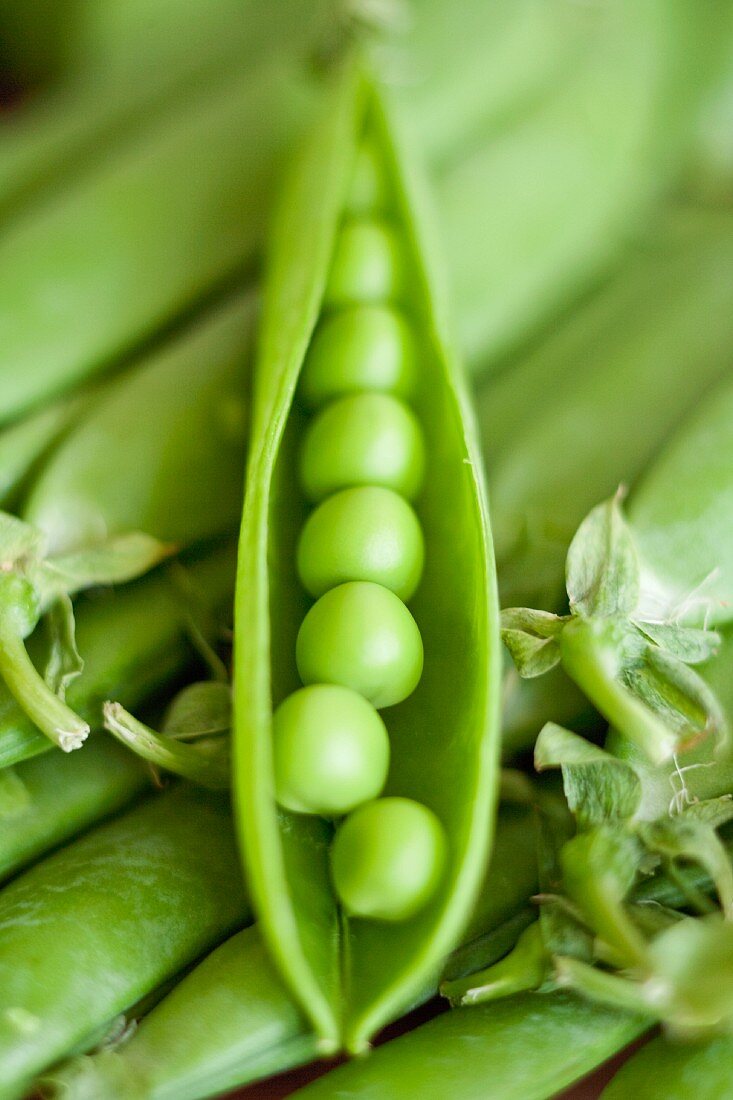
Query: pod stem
(524, 968)
(45, 709)
(206, 762)
(589, 660)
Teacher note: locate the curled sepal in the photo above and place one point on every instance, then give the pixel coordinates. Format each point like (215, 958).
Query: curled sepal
(598, 787)
(678, 695)
(690, 644)
(19, 612)
(207, 762)
(64, 661)
(531, 638)
(693, 840)
(599, 868)
(526, 967)
(714, 812)
(118, 559)
(602, 570)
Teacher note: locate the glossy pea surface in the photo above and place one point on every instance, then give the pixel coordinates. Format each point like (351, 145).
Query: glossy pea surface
(362, 534)
(331, 751)
(368, 264)
(387, 859)
(363, 439)
(360, 348)
(362, 636)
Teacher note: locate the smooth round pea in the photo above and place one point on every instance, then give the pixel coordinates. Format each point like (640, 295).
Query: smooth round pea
(368, 192)
(362, 534)
(360, 348)
(368, 264)
(362, 439)
(362, 636)
(387, 859)
(331, 751)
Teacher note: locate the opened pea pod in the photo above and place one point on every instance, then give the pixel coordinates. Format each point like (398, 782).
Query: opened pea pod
(366, 722)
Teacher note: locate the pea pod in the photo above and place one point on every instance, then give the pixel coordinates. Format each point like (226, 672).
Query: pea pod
(256, 1027)
(522, 249)
(681, 516)
(229, 1022)
(150, 455)
(49, 800)
(527, 1047)
(101, 513)
(178, 189)
(657, 335)
(124, 65)
(440, 745)
(105, 938)
(24, 445)
(676, 1071)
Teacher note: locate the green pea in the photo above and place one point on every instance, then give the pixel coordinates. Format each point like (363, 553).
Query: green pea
(331, 751)
(368, 264)
(365, 347)
(368, 191)
(362, 636)
(363, 439)
(362, 534)
(387, 859)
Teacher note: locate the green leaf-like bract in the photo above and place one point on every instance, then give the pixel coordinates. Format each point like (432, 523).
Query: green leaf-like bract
(635, 671)
(602, 568)
(531, 638)
(599, 787)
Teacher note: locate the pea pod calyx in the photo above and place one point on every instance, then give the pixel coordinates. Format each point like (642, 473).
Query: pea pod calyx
(34, 584)
(635, 668)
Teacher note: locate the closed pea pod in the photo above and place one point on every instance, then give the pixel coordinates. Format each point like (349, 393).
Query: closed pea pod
(100, 514)
(106, 939)
(527, 1047)
(232, 1021)
(360, 634)
(676, 1071)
